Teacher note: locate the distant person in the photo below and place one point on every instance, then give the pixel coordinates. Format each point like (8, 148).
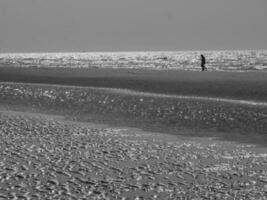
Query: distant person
(203, 62)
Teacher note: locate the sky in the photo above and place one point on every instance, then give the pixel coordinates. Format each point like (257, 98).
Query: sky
(132, 25)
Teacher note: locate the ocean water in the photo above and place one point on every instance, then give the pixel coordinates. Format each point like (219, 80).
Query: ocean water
(239, 60)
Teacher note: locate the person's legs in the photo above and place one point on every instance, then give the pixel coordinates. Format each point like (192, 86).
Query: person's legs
(203, 67)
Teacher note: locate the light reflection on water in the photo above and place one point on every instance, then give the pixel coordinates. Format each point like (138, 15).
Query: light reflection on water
(245, 60)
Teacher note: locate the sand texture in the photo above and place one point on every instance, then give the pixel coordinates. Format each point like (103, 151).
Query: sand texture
(45, 157)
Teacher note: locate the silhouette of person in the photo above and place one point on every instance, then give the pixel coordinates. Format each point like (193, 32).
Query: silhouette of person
(203, 62)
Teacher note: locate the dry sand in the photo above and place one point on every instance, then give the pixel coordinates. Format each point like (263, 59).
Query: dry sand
(47, 157)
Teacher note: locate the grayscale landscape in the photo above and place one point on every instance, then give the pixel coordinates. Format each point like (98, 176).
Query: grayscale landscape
(133, 100)
(105, 133)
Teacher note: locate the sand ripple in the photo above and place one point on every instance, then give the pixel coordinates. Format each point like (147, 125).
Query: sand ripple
(42, 157)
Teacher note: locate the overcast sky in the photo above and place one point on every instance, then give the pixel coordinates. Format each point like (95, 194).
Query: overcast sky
(132, 25)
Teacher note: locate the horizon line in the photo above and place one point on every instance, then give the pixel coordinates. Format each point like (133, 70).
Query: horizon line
(128, 51)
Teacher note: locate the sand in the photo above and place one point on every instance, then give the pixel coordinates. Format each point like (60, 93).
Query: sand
(233, 85)
(69, 142)
(138, 109)
(47, 157)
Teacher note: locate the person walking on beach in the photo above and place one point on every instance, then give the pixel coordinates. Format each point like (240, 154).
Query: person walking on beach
(203, 62)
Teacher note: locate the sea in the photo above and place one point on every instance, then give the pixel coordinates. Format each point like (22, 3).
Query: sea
(237, 60)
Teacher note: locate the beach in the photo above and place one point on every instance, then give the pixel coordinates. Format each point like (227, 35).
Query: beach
(132, 134)
(133, 100)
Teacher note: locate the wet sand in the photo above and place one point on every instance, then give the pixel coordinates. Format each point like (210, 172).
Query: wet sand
(233, 85)
(47, 157)
(143, 110)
